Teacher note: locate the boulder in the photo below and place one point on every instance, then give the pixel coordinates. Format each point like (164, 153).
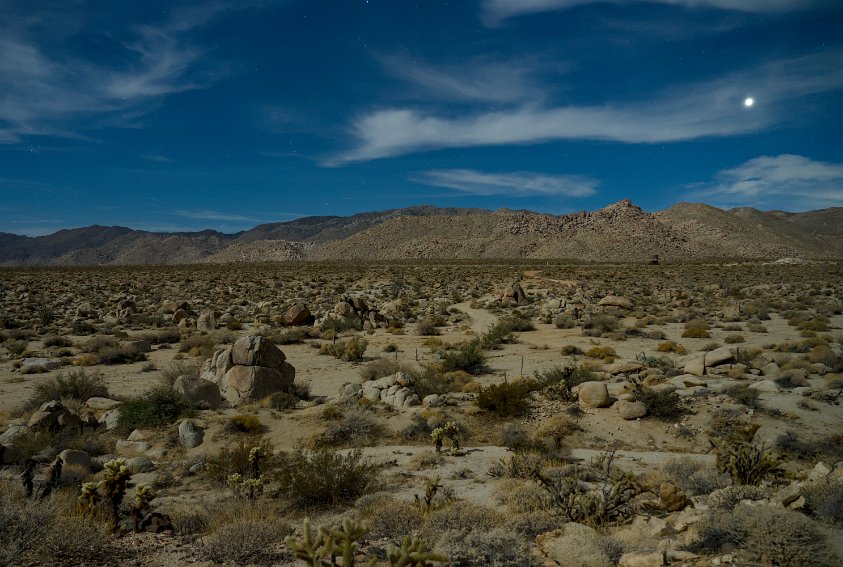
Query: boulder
(615, 301)
(671, 498)
(593, 394)
(631, 410)
(101, 404)
(642, 559)
(46, 416)
(215, 368)
(556, 545)
(189, 435)
(126, 447)
(251, 383)
(138, 346)
(256, 351)
(298, 314)
(77, 458)
(110, 419)
(515, 294)
(203, 394)
(206, 322)
(719, 356)
(624, 367)
(764, 386)
(180, 315)
(695, 364)
(139, 465)
(11, 432)
(38, 365)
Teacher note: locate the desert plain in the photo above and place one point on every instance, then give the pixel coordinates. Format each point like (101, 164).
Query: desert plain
(423, 413)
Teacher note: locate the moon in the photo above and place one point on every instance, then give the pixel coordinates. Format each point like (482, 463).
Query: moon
(748, 102)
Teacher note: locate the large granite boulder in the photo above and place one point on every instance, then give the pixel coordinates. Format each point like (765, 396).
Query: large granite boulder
(203, 394)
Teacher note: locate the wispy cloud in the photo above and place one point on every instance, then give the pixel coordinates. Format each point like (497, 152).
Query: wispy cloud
(156, 158)
(478, 80)
(213, 215)
(46, 95)
(515, 184)
(686, 112)
(496, 11)
(785, 181)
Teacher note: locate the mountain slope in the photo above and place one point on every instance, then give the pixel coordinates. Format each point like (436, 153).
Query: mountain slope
(620, 232)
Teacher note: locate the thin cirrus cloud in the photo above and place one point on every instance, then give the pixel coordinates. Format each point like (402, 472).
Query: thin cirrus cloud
(213, 215)
(798, 181)
(478, 81)
(494, 12)
(687, 112)
(51, 95)
(515, 184)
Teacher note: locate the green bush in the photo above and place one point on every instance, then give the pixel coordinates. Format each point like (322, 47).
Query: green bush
(468, 357)
(349, 350)
(73, 385)
(598, 325)
(56, 341)
(506, 399)
(354, 427)
(243, 423)
(661, 404)
(426, 327)
(557, 381)
(158, 408)
(327, 478)
(168, 336)
(482, 548)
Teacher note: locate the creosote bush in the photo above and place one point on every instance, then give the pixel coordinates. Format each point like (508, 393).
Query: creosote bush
(73, 385)
(468, 357)
(507, 399)
(327, 478)
(159, 407)
(349, 350)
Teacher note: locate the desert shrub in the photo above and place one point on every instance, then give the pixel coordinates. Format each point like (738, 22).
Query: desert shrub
(824, 355)
(282, 401)
(160, 407)
(790, 379)
(661, 404)
(57, 341)
(756, 328)
(571, 350)
(291, 337)
(77, 537)
(234, 325)
(336, 324)
(792, 445)
(468, 357)
(726, 498)
(354, 427)
(349, 350)
(243, 423)
(743, 394)
(460, 516)
(379, 368)
(83, 328)
(557, 381)
(389, 517)
(108, 350)
(430, 379)
(167, 336)
(734, 338)
(180, 368)
(598, 325)
(248, 533)
(202, 346)
(506, 399)
(426, 327)
(696, 333)
(480, 548)
(605, 499)
(234, 459)
(744, 461)
(23, 525)
(72, 385)
(783, 537)
(825, 501)
(693, 477)
(672, 346)
(565, 322)
(327, 478)
(605, 353)
(503, 331)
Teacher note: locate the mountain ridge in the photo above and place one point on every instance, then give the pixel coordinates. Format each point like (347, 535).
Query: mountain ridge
(621, 231)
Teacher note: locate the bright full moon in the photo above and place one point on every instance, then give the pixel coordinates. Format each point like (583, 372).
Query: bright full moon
(748, 101)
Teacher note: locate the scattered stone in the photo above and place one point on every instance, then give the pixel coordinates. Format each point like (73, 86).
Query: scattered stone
(101, 404)
(615, 301)
(77, 458)
(126, 447)
(298, 314)
(642, 559)
(671, 498)
(203, 394)
(206, 322)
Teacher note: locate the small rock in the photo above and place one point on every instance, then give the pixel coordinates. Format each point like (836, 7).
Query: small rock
(101, 404)
(642, 559)
(671, 497)
(38, 365)
(631, 410)
(189, 435)
(125, 447)
(77, 458)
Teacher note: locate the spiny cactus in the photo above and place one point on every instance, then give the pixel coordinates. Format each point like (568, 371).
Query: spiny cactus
(143, 496)
(431, 487)
(746, 463)
(449, 431)
(113, 486)
(325, 547)
(256, 455)
(90, 497)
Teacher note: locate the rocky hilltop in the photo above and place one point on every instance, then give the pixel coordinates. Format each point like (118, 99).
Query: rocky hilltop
(621, 232)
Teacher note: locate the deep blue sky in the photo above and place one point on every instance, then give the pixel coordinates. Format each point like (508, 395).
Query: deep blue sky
(191, 115)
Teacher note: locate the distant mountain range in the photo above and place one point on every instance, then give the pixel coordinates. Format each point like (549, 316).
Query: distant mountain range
(621, 232)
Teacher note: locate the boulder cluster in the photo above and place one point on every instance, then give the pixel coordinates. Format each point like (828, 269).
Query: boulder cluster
(249, 370)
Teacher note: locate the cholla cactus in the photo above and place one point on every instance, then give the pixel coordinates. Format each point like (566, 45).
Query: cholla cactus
(449, 431)
(249, 487)
(90, 497)
(412, 554)
(143, 496)
(113, 486)
(256, 455)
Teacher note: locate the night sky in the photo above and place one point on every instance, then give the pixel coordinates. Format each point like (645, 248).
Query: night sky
(172, 116)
